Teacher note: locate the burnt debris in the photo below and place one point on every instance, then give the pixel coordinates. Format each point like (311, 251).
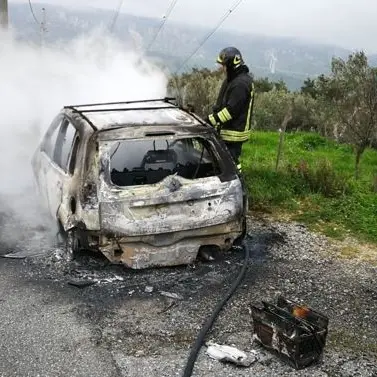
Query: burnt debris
(295, 333)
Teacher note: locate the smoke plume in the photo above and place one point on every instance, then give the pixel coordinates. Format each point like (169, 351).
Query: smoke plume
(35, 83)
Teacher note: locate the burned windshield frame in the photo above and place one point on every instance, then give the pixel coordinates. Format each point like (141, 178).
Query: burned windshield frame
(150, 160)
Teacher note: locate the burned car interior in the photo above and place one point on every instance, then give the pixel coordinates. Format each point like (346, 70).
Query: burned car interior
(149, 161)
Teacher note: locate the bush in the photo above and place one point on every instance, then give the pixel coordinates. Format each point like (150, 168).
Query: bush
(271, 108)
(321, 178)
(312, 142)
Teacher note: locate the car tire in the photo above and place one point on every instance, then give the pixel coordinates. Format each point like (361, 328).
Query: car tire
(72, 244)
(239, 240)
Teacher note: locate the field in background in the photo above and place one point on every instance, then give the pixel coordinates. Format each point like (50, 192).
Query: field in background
(314, 183)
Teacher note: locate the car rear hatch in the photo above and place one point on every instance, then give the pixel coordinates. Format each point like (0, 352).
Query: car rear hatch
(165, 183)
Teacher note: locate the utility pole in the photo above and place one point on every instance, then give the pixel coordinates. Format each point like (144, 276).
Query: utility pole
(43, 27)
(4, 14)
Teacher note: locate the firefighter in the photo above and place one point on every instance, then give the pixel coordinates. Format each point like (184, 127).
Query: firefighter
(234, 106)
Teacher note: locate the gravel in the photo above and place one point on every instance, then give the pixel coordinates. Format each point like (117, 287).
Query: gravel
(144, 322)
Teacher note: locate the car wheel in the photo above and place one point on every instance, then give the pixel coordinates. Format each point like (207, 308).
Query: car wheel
(239, 240)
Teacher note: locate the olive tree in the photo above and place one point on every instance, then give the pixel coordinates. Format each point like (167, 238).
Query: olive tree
(352, 89)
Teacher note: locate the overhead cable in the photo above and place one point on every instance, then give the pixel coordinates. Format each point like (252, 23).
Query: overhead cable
(209, 35)
(164, 19)
(33, 14)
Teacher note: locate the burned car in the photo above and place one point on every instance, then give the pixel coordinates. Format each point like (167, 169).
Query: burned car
(147, 183)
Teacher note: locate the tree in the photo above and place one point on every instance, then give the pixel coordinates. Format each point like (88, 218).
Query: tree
(281, 86)
(270, 109)
(309, 88)
(263, 85)
(199, 89)
(352, 89)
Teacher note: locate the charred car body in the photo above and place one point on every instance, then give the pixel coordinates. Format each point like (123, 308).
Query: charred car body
(144, 182)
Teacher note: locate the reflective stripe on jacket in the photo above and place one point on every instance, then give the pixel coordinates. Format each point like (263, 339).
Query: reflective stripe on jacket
(234, 107)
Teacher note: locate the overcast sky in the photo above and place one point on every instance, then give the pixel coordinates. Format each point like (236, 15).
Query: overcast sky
(348, 23)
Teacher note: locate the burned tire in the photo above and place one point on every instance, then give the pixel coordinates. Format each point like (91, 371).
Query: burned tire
(239, 240)
(72, 244)
(70, 241)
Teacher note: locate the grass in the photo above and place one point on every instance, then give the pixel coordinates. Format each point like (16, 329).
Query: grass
(314, 183)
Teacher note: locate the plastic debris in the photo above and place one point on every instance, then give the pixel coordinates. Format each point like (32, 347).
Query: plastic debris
(172, 295)
(229, 354)
(112, 279)
(23, 254)
(148, 289)
(14, 256)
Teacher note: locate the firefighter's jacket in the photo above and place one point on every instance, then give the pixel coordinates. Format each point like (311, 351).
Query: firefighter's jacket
(233, 110)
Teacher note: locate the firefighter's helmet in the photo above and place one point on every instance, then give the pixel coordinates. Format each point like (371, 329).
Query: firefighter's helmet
(230, 57)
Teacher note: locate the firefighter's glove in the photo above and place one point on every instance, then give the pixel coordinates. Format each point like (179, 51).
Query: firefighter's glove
(216, 126)
(213, 122)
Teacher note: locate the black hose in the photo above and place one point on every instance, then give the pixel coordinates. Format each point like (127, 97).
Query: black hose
(206, 327)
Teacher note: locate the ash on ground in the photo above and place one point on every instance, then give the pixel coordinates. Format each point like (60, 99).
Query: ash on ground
(147, 320)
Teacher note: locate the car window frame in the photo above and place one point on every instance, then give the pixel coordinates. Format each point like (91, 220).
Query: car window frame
(54, 126)
(56, 159)
(206, 143)
(74, 149)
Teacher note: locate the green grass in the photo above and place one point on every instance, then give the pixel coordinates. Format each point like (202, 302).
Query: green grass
(314, 183)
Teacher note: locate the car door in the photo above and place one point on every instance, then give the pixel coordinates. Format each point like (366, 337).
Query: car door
(57, 175)
(42, 159)
(71, 185)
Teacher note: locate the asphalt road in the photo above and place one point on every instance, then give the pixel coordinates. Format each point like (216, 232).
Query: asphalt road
(40, 333)
(117, 327)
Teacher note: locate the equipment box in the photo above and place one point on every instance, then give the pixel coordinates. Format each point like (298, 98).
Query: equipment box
(297, 334)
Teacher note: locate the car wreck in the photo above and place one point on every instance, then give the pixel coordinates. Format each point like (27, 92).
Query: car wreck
(146, 183)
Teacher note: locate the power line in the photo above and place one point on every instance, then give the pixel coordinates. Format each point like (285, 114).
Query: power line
(164, 19)
(32, 12)
(209, 35)
(116, 15)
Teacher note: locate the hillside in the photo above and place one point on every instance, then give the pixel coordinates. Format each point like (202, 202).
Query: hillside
(295, 60)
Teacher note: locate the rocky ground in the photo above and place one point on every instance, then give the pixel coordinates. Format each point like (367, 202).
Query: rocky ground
(143, 323)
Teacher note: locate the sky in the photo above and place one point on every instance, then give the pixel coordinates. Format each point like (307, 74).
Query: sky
(347, 23)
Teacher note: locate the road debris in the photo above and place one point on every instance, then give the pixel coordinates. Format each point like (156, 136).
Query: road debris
(148, 289)
(174, 296)
(23, 254)
(14, 256)
(230, 354)
(296, 333)
(112, 279)
(81, 283)
(168, 307)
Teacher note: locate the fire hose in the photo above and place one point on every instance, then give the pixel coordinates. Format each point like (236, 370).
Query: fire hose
(210, 321)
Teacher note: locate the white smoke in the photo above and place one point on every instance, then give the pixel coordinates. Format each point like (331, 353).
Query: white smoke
(35, 83)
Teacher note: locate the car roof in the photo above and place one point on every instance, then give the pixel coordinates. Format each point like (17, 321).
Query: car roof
(106, 116)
